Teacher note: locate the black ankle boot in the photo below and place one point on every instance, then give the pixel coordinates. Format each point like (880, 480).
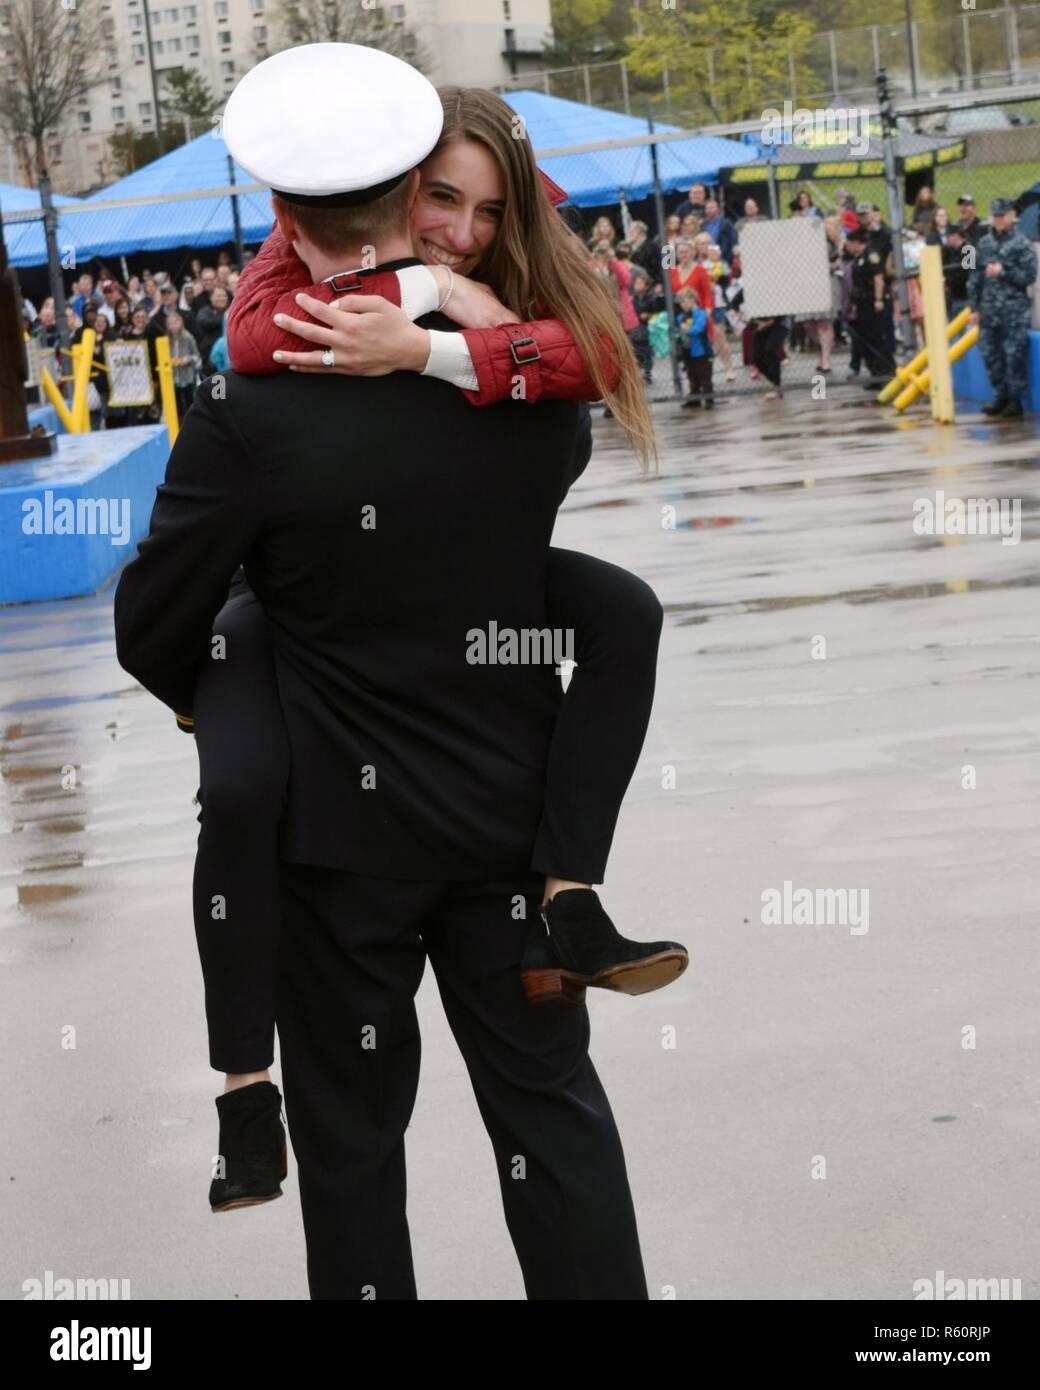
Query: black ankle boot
(252, 1144)
(995, 407)
(580, 946)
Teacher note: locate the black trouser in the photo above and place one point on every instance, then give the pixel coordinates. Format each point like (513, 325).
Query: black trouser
(353, 953)
(699, 375)
(244, 764)
(872, 331)
(768, 343)
(184, 396)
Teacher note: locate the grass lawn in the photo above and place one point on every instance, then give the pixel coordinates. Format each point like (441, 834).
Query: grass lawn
(982, 181)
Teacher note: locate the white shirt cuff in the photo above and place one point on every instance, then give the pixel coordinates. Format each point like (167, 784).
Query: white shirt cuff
(450, 359)
(419, 292)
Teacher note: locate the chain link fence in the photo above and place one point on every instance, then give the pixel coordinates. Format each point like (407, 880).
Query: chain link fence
(965, 50)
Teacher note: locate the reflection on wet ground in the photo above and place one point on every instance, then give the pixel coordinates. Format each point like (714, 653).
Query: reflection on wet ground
(78, 777)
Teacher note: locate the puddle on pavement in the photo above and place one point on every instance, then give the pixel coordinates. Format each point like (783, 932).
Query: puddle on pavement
(701, 612)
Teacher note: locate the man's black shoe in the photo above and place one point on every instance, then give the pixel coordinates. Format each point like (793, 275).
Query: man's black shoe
(1012, 411)
(579, 946)
(995, 407)
(252, 1145)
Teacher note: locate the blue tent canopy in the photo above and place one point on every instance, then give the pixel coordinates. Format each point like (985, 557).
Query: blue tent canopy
(162, 226)
(25, 242)
(593, 179)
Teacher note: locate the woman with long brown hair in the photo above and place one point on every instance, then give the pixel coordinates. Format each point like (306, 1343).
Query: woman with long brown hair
(481, 208)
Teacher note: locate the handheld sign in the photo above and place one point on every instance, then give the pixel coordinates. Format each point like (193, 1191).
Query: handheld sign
(129, 373)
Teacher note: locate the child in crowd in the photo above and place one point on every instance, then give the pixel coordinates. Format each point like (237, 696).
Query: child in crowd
(694, 333)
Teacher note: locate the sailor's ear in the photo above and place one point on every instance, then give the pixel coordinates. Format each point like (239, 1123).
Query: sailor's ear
(284, 218)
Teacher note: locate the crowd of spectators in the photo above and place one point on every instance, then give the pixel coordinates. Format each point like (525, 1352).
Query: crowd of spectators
(192, 315)
(700, 257)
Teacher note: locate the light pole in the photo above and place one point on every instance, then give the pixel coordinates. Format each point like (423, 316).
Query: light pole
(160, 144)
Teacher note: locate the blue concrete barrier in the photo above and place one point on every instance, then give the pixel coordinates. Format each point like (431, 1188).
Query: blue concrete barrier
(971, 381)
(70, 521)
(46, 416)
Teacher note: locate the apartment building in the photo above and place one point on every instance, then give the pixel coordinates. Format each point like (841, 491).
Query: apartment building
(474, 42)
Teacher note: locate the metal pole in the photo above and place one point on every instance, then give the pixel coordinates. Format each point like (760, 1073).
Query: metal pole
(666, 279)
(234, 212)
(834, 65)
(624, 89)
(1011, 42)
(160, 143)
(774, 206)
(895, 208)
(969, 80)
(911, 47)
(50, 232)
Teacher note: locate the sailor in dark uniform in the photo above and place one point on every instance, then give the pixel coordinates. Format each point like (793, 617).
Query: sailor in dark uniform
(870, 305)
(417, 774)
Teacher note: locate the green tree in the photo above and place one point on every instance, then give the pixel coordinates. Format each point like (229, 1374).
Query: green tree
(727, 60)
(586, 31)
(189, 100)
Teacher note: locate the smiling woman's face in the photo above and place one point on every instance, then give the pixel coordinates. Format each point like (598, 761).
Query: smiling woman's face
(458, 208)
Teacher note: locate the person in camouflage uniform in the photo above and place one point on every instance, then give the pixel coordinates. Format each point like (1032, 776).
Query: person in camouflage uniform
(998, 292)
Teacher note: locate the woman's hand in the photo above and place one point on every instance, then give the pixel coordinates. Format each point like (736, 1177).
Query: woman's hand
(368, 335)
(473, 305)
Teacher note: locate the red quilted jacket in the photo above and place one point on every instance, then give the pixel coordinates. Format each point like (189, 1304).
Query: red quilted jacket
(271, 281)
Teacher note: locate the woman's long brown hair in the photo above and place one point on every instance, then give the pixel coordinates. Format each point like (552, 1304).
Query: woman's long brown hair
(538, 267)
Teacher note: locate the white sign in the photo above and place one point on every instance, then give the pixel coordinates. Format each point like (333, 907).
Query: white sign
(784, 268)
(129, 373)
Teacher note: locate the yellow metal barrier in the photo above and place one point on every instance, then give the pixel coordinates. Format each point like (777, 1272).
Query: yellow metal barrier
(909, 373)
(921, 383)
(56, 399)
(83, 360)
(169, 396)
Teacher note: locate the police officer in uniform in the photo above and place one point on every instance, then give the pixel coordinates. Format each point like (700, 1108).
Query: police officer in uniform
(998, 292)
(870, 306)
(376, 537)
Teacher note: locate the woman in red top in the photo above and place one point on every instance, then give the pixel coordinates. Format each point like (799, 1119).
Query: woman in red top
(688, 273)
(482, 207)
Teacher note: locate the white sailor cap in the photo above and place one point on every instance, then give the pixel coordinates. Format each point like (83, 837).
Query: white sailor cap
(332, 124)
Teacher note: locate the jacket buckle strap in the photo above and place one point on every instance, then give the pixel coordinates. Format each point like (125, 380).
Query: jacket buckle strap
(531, 352)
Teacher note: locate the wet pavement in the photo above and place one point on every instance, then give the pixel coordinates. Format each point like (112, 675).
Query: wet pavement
(811, 1111)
